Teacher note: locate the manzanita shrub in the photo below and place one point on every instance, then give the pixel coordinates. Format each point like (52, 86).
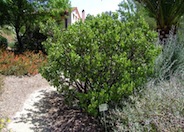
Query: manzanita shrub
(100, 60)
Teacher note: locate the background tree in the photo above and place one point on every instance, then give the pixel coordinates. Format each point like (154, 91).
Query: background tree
(130, 7)
(3, 12)
(167, 14)
(19, 12)
(24, 15)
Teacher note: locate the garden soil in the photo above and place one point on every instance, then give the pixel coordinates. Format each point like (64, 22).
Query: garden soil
(34, 106)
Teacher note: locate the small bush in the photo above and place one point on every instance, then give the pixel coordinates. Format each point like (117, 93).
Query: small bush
(27, 63)
(101, 60)
(3, 124)
(159, 109)
(3, 42)
(12, 45)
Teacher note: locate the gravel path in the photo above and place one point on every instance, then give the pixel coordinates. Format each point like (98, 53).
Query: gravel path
(16, 90)
(34, 106)
(31, 118)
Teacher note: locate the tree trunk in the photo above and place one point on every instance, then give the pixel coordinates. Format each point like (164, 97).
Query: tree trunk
(165, 32)
(20, 44)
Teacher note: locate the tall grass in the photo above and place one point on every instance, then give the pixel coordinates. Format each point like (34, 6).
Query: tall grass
(160, 106)
(171, 59)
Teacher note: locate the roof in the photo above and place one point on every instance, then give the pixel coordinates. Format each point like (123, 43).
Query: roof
(76, 9)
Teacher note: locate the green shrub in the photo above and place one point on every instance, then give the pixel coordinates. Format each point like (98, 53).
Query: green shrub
(159, 109)
(12, 45)
(101, 60)
(3, 42)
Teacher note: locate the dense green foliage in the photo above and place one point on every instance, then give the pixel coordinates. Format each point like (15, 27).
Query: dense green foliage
(36, 34)
(131, 7)
(19, 14)
(3, 11)
(3, 42)
(101, 60)
(25, 17)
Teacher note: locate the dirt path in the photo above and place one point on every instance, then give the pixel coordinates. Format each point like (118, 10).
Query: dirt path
(16, 90)
(33, 115)
(34, 106)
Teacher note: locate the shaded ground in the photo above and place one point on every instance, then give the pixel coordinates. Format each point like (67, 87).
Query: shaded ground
(49, 114)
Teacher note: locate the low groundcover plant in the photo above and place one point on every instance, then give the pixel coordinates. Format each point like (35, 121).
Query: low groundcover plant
(27, 63)
(160, 108)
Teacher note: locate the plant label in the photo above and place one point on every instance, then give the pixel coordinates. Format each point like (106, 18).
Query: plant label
(103, 107)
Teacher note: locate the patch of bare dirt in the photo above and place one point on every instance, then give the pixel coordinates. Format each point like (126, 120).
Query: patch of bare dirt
(10, 38)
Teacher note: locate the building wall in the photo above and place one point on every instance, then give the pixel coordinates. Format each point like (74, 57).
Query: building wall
(74, 16)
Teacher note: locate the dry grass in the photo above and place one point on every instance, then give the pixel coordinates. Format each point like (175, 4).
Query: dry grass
(10, 38)
(8, 33)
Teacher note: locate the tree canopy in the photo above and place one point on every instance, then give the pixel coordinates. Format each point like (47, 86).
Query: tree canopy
(21, 14)
(167, 14)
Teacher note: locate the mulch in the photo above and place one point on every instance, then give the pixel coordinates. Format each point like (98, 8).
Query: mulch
(68, 119)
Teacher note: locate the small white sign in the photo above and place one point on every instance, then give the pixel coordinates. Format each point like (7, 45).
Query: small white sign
(103, 107)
